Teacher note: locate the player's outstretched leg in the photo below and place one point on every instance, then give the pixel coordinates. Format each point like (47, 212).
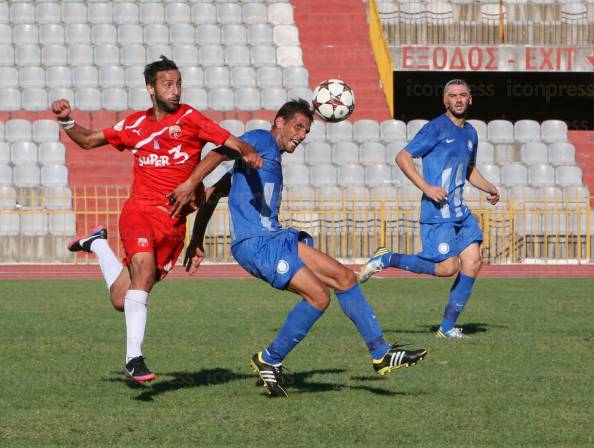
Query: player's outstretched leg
(272, 376)
(396, 358)
(83, 243)
(136, 370)
(383, 259)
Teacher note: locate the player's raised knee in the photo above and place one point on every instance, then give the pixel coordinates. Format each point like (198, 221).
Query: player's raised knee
(344, 279)
(447, 268)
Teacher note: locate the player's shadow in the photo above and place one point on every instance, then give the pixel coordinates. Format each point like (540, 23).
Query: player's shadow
(183, 380)
(468, 328)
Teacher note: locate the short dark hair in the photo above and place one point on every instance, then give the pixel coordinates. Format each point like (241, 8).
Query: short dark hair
(456, 82)
(290, 108)
(162, 65)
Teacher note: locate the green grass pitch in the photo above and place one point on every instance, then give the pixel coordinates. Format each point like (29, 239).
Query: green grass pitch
(525, 379)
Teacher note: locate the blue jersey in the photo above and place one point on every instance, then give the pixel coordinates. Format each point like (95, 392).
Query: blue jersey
(255, 196)
(447, 150)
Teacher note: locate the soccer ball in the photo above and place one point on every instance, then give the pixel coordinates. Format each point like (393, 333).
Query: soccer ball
(333, 100)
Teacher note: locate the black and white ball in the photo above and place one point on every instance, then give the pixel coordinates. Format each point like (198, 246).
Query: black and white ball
(333, 100)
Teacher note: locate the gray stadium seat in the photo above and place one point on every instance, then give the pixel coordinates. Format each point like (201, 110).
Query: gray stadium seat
(48, 12)
(54, 54)
(78, 33)
(185, 55)
(490, 172)
(280, 13)
(247, 99)
(534, 153)
(356, 197)
(550, 196)
(254, 13)
(22, 13)
(317, 132)
(46, 131)
(80, 54)
(6, 54)
(9, 77)
(34, 224)
(62, 224)
(229, 13)
(18, 130)
(300, 92)
(263, 55)
(5, 34)
(100, 12)
(130, 33)
(26, 176)
(182, 33)
(285, 35)
(259, 34)
(217, 77)
(351, 174)
(125, 13)
(234, 34)
(414, 126)
(192, 76)
(341, 131)
(58, 76)
(154, 52)
(103, 33)
(195, 97)
(204, 13)
(318, 153)
(329, 197)
(74, 12)
(243, 77)
(7, 198)
(526, 131)
(576, 197)
(485, 152)
(221, 99)
(345, 152)
(10, 100)
(392, 150)
(322, 175)
(507, 153)
(5, 176)
(561, 153)
(134, 76)
(54, 175)
(133, 54)
(112, 76)
(58, 93)
(366, 131)
(514, 174)
(24, 153)
(52, 152)
(553, 131)
(379, 174)
(273, 98)
(114, 98)
(296, 157)
(34, 99)
(541, 175)
(384, 193)
(289, 56)
(269, 77)
(500, 131)
(88, 99)
(208, 34)
(211, 55)
(568, 175)
(27, 55)
(236, 127)
(85, 76)
(177, 13)
(51, 33)
(25, 33)
(522, 197)
(151, 13)
(4, 153)
(257, 123)
(372, 153)
(237, 55)
(295, 174)
(57, 198)
(155, 33)
(31, 76)
(295, 77)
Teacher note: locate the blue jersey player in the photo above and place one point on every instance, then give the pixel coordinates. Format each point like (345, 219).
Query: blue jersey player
(450, 234)
(284, 257)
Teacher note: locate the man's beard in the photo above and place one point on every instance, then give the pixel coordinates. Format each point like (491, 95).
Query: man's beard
(167, 107)
(459, 115)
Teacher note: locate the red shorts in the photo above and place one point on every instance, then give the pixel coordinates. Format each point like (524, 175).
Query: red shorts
(146, 228)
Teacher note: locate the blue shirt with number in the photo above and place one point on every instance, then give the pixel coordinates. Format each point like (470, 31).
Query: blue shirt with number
(447, 151)
(255, 196)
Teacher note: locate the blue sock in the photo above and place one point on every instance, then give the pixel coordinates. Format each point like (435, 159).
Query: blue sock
(412, 263)
(459, 295)
(355, 306)
(299, 321)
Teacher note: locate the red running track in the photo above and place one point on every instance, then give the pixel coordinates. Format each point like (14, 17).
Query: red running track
(230, 271)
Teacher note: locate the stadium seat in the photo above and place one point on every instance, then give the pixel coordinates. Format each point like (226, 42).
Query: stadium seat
(345, 152)
(236, 127)
(385, 194)
(74, 12)
(111, 76)
(269, 77)
(341, 131)
(80, 54)
(5, 175)
(568, 176)
(323, 175)
(551, 197)
(280, 14)
(133, 54)
(329, 197)
(490, 172)
(54, 175)
(229, 13)
(130, 33)
(527, 131)
(392, 130)
(46, 131)
(103, 33)
(481, 129)
(114, 99)
(125, 13)
(8, 198)
(22, 12)
(289, 56)
(392, 150)
(414, 126)
(254, 13)
(295, 77)
(296, 157)
(541, 175)
(300, 197)
(59, 93)
(204, 13)
(216, 77)
(31, 76)
(6, 54)
(24, 153)
(4, 153)
(78, 33)
(5, 34)
(237, 55)
(54, 54)
(561, 153)
(300, 92)
(257, 123)
(351, 174)
(366, 131)
(247, 99)
(317, 132)
(194, 96)
(221, 99)
(507, 153)
(155, 33)
(376, 175)
(500, 131)
(62, 224)
(514, 174)
(295, 174)
(522, 197)
(88, 99)
(27, 55)
(263, 55)
(48, 12)
(192, 76)
(177, 13)
(10, 100)
(356, 197)
(51, 33)
(52, 152)
(408, 197)
(154, 52)
(208, 34)
(534, 153)
(100, 12)
(211, 55)
(26, 176)
(182, 33)
(372, 153)
(57, 198)
(243, 77)
(485, 152)
(18, 130)
(25, 33)
(233, 34)
(398, 177)
(151, 13)
(285, 35)
(85, 76)
(576, 197)
(134, 76)
(9, 77)
(553, 131)
(185, 55)
(273, 98)
(317, 153)
(259, 34)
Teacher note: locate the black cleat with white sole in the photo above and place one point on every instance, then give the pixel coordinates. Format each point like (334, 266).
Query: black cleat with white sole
(272, 376)
(396, 358)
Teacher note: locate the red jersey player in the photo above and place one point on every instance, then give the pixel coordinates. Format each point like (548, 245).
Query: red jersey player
(166, 141)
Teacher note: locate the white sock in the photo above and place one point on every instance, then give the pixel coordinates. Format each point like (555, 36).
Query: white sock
(136, 310)
(110, 266)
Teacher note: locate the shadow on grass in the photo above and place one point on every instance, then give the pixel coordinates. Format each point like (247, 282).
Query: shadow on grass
(468, 328)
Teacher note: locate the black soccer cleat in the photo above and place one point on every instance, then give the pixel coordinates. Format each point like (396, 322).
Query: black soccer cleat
(136, 370)
(396, 358)
(83, 243)
(272, 376)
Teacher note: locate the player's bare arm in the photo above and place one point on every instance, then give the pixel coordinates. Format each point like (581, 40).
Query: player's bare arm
(404, 161)
(195, 251)
(247, 151)
(477, 179)
(83, 137)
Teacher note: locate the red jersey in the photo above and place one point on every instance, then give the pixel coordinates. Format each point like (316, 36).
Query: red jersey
(165, 151)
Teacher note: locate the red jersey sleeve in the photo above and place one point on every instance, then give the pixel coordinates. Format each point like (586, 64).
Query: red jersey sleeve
(206, 129)
(116, 136)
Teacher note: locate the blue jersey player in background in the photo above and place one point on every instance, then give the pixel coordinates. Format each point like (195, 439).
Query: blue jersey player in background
(449, 233)
(284, 257)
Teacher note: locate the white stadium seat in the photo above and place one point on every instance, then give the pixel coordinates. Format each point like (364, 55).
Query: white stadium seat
(295, 77)
(88, 99)
(372, 153)
(263, 55)
(51, 33)
(8, 198)
(59, 93)
(317, 153)
(490, 172)
(125, 13)
(58, 198)
(485, 152)
(4, 153)
(294, 158)
(31, 76)
(273, 98)
(561, 153)
(114, 98)
(62, 224)
(156, 33)
(5, 176)
(526, 131)
(260, 34)
(54, 54)
(285, 35)
(5, 34)
(133, 54)
(234, 34)
(280, 14)
(48, 12)
(78, 33)
(177, 13)
(22, 13)
(391, 130)
(27, 55)
(254, 13)
(366, 131)
(34, 99)
(243, 77)
(553, 131)
(217, 77)
(534, 153)
(208, 34)
(24, 153)
(481, 129)
(514, 174)
(507, 153)
(237, 55)
(85, 76)
(295, 174)
(345, 152)
(229, 13)
(184, 55)
(289, 56)
(111, 76)
(74, 12)
(18, 130)
(6, 54)
(300, 92)
(151, 13)
(257, 123)
(54, 175)
(192, 76)
(25, 34)
(541, 175)
(52, 152)
(26, 176)
(500, 131)
(269, 77)
(130, 33)
(351, 174)
(46, 131)
(341, 131)
(10, 100)
(104, 33)
(414, 126)
(107, 54)
(204, 13)
(34, 224)
(317, 132)
(100, 12)
(211, 55)
(80, 54)
(247, 99)
(377, 175)
(323, 175)
(236, 127)
(195, 97)
(568, 175)
(182, 33)
(138, 98)
(9, 77)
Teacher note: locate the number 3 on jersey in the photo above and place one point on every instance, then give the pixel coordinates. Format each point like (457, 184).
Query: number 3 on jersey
(177, 153)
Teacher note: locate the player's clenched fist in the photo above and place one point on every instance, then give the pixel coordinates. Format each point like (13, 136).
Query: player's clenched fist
(61, 108)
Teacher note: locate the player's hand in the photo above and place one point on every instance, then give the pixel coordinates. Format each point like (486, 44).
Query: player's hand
(184, 198)
(193, 257)
(436, 194)
(61, 108)
(493, 197)
(252, 158)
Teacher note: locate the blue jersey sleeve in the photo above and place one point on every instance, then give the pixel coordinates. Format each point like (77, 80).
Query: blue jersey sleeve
(425, 140)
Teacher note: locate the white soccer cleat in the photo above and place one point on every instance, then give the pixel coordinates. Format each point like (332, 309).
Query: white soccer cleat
(453, 333)
(373, 265)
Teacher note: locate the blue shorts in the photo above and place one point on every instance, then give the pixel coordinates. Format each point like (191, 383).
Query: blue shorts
(274, 259)
(448, 239)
